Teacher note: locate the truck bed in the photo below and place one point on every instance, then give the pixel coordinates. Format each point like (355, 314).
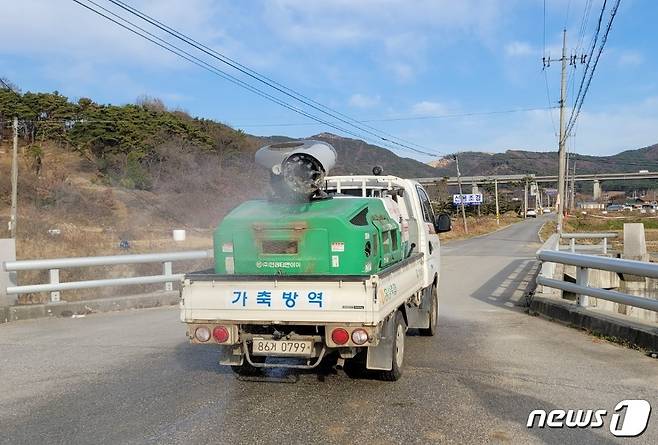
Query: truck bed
(300, 299)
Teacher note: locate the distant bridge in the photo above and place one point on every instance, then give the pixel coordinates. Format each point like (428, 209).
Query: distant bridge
(503, 179)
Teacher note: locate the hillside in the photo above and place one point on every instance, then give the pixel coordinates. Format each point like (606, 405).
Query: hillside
(135, 168)
(545, 163)
(358, 157)
(94, 175)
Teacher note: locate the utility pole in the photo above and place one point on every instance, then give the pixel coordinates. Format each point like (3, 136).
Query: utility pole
(461, 195)
(497, 210)
(567, 184)
(572, 204)
(14, 181)
(562, 153)
(561, 200)
(525, 200)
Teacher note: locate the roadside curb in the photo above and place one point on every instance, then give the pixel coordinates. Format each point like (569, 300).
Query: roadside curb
(71, 308)
(540, 230)
(567, 312)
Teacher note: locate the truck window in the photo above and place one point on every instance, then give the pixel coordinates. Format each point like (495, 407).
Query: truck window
(428, 215)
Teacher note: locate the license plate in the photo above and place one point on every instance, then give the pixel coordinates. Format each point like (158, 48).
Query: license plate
(282, 347)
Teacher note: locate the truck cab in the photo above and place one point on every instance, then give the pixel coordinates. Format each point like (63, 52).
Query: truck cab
(416, 217)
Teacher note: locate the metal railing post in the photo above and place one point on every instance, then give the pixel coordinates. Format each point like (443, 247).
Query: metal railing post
(581, 288)
(53, 266)
(605, 245)
(54, 279)
(572, 243)
(167, 270)
(582, 279)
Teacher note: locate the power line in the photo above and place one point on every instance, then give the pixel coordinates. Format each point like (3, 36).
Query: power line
(583, 24)
(407, 118)
(83, 120)
(586, 81)
(583, 158)
(548, 98)
(267, 81)
(581, 35)
(544, 29)
(587, 65)
(4, 85)
(566, 18)
(548, 90)
(213, 69)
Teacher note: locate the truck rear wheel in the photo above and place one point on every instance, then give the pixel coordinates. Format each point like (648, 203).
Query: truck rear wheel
(434, 315)
(400, 331)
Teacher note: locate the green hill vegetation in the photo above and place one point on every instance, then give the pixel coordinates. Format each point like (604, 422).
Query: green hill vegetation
(513, 162)
(92, 175)
(126, 143)
(111, 166)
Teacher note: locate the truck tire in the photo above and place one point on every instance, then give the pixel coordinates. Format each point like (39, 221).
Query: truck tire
(434, 315)
(400, 331)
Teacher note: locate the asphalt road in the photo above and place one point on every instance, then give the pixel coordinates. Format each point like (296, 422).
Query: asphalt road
(131, 377)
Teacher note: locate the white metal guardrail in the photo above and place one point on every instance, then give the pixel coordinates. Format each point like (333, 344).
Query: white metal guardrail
(584, 263)
(54, 265)
(572, 237)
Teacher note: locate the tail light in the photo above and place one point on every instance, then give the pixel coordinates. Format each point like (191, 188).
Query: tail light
(221, 334)
(340, 336)
(359, 336)
(202, 334)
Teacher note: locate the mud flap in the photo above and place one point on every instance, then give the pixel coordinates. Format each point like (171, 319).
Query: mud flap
(380, 357)
(231, 356)
(418, 317)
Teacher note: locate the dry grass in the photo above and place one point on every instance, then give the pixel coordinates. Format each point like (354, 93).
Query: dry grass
(547, 230)
(76, 241)
(613, 224)
(478, 226)
(92, 218)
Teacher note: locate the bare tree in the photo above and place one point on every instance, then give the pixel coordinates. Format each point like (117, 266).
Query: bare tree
(151, 103)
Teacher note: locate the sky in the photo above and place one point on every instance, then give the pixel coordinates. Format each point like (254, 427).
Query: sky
(369, 60)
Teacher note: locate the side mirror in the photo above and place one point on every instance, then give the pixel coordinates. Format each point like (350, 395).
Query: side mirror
(443, 223)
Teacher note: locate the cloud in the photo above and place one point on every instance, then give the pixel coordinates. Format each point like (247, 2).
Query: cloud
(341, 22)
(362, 101)
(428, 108)
(629, 58)
(519, 49)
(403, 72)
(625, 127)
(80, 53)
(397, 35)
(65, 29)
(605, 132)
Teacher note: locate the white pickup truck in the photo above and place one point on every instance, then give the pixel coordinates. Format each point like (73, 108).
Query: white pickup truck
(363, 319)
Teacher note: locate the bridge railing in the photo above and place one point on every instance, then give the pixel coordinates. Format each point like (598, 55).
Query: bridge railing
(54, 286)
(604, 237)
(585, 263)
